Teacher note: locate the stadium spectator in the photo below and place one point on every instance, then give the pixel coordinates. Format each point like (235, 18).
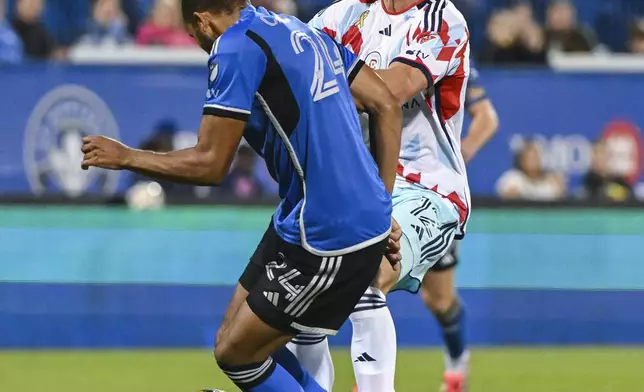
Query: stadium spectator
(528, 180)
(164, 26)
(38, 43)
(108, 24)
(600, 184)
(514, 37)
(10, 44)
(563, 32)
(636, 41)
(242, 182)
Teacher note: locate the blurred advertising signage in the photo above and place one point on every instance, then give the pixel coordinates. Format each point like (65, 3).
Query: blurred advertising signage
(46, 110)
(573, 154)
(565, 114)
(53, 139)
(623, 141)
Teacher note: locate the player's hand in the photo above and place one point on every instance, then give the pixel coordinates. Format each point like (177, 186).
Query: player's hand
(393, 246)
(104, 152)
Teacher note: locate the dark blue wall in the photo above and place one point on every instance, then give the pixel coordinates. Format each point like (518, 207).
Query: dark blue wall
(93, 316)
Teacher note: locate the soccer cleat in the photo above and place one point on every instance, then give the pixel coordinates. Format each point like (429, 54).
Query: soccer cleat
(455, 378)
(211, 390)
(454, 382)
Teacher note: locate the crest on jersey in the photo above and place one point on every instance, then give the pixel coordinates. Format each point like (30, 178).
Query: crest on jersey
(421, 36)
(53, 140)
(373, 60)
(214, 71)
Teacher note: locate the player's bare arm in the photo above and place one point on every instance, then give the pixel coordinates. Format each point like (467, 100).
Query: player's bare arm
(484, 125)
(373, 96)
(404, 81)
(207, 163)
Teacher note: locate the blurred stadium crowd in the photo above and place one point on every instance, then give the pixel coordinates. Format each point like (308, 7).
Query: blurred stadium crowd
(503, 31)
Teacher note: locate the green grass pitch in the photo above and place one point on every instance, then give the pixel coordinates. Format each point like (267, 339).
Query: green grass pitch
(493, 370)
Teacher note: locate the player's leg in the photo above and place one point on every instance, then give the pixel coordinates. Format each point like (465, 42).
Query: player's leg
(243, 354)
(267, 247)
(239, 296)
(428, 223)
(372, 325)
(312, 351)
(333, 306)
(440, 297)
(373, 342)
(267, 250)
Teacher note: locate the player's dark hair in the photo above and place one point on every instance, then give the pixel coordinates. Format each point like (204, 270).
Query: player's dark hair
(189, 7)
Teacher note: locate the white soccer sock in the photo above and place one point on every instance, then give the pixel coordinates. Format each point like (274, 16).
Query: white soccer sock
(373, 347)
(312, 350)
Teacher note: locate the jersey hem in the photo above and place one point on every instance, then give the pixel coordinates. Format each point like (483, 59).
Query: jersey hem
(344, 251)
(328, 253)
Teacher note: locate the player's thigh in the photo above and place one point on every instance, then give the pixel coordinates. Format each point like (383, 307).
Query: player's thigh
(387, 276)
(239, 297)
(266, 248)
(303, 292)
(248, 339)
(429, 224)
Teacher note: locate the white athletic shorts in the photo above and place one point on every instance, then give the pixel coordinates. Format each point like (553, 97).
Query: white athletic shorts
(429, 223)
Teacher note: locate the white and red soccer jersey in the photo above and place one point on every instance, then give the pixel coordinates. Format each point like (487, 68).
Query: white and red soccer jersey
(431, 36)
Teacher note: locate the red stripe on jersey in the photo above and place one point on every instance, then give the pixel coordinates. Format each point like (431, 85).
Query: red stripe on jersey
(401, 169)
(413, 178)
(450, 92)
(463, 211)
(329, 32)
(353, 37)
(367, 1)
(443, 32)
(446, 53)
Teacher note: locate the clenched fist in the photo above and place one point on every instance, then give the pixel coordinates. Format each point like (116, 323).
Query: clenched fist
(104, 152)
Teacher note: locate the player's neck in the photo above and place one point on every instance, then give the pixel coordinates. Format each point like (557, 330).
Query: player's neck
(398, 6)
(223, 22)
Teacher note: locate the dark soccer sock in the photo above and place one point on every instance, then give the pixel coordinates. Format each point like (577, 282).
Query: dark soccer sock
(285, 358)
(452, 324)
(261, 377)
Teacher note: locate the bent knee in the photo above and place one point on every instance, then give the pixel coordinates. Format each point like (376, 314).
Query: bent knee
(219, 336)
(228, 353)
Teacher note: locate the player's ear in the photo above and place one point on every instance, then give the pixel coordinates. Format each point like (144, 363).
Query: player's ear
(199, 21)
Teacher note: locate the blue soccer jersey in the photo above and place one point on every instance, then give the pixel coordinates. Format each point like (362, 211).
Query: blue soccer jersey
(475, 91)
(291, 84)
